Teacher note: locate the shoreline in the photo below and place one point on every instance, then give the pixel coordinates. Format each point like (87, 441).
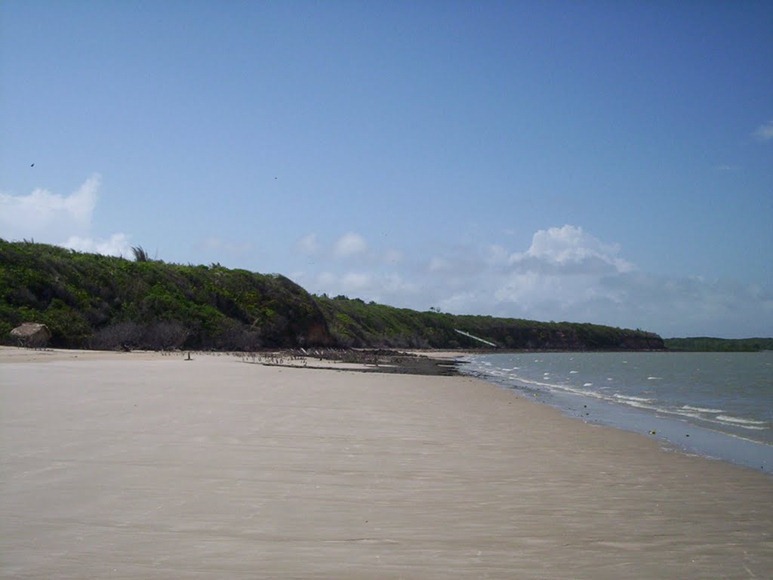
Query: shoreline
(679, 435)
(137, 465)
(437, 362)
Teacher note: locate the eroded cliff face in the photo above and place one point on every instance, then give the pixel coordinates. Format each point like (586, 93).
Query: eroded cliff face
(299, 320)
(318, 335)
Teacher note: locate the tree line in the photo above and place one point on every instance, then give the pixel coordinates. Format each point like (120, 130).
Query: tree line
(106, 302)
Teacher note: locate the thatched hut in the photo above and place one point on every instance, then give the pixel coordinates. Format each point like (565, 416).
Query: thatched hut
(32, 335)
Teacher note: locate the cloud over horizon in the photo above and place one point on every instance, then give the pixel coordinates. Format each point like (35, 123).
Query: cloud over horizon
(50, 215)
(349, 245)
(565, 274)
(64, 220)
(764, 132)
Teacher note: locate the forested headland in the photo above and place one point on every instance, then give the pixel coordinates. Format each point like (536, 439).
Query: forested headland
(709, 344)
(105, 302)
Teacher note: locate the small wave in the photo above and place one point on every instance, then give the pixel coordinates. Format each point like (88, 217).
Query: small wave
(639, 405)
(701, 409)
(744, 423)
(637, 402)
(557, 387)
(587, 384)
(685, 414)
(573, 372)
(631, 398)
(654, 378)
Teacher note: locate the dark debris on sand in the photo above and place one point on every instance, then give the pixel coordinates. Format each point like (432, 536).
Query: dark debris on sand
(373, 361)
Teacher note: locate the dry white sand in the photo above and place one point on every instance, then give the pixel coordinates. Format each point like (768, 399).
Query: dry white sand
(142, 466)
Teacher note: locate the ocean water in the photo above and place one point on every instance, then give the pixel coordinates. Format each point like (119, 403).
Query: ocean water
(719, 405)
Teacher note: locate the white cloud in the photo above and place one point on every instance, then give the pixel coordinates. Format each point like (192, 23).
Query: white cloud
(565, 273)
(764, 132)
(116, 245)
(497, 255)
(355, 282)
(560, 275)
(346, 249)
(64, 220)
(569, 249)
(326, 281)
(350, 245)
(383, 287)
(47, 216)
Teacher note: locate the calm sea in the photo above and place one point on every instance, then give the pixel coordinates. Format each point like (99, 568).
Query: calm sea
(718, 405)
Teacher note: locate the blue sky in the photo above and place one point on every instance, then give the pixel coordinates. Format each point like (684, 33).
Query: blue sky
(608, 162)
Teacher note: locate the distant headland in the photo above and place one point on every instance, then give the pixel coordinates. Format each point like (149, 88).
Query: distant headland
(105, 302)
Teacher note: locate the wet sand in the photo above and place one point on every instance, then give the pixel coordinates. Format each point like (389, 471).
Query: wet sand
(147, 466)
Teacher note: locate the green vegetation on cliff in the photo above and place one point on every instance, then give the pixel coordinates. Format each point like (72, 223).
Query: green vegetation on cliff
(104, 302)
(89, 300)
(353, 322)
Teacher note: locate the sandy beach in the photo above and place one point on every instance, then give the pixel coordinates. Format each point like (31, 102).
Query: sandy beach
(137, 465)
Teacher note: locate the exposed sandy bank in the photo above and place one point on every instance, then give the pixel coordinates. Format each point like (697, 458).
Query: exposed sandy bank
(146, 466)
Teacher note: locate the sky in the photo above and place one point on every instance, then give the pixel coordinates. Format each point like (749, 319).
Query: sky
(599, 161)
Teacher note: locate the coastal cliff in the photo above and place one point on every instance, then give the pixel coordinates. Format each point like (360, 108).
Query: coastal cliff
(356, 323)
(104, 302)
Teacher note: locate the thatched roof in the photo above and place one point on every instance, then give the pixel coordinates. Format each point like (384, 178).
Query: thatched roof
(29, 329)
(31, 334)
